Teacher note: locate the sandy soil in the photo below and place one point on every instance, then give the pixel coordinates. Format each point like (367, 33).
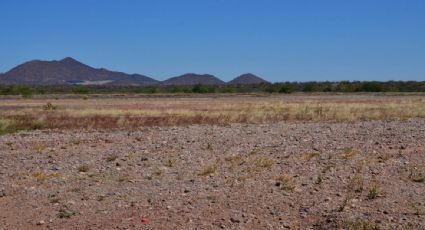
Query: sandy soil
(274, 176)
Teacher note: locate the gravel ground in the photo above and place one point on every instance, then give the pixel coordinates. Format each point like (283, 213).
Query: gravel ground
(273, 176)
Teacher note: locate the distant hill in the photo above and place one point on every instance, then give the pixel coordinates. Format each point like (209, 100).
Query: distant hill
(69, 71)
(247, 79)
(73, 72)
(193, 79)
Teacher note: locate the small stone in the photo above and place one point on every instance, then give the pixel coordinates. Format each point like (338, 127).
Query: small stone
(41, 222)
(233, 220)
(2, 193)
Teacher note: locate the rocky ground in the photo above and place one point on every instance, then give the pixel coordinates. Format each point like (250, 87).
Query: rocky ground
(361, 175)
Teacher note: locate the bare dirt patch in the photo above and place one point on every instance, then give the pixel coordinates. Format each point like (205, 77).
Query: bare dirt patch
(357, 175)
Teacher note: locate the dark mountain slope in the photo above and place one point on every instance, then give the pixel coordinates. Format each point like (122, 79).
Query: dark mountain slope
(246, 79)
(68, 71)
(193, 79)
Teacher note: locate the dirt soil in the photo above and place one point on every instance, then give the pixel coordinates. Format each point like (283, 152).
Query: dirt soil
(294, 175)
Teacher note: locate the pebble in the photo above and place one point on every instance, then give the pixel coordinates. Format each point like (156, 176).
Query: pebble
(41, 222)
(233, 220)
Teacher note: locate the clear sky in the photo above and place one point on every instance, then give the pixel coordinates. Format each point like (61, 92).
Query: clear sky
(280, 40)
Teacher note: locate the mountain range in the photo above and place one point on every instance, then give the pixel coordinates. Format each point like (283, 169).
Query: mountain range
(70, 71)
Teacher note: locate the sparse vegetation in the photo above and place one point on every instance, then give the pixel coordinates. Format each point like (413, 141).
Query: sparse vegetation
(235, 161)
(49, 107)
(344, 203)
(361, 225)
(39, 147)
(373, 193)
(282, 87)
(42, 176)
(417, 175)
(356, 184)
(348, 153)
(169, 163)
(265, 167)
(125, 177)
(83, 168)
(66, 212)
(111, 158)
(77, 141)
(209, 147)
(319, 179)
(54, 199)
(95, 114)
(208, 170)
(264, 162)
(309, 156)
(285, 183)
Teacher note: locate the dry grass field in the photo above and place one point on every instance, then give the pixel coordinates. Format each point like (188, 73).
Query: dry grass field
(299, 161)
(125, 111)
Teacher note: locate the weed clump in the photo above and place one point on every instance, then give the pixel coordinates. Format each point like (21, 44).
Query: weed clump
(265, 162)
(285, 183)
(416, 175)
(373, 193)
(207, 170)
(357, 184)
(49, 107)
(111, 158)
(309, 156)
(83, 168)
(169, 163)
(348, 153)
(42, 176)
(361, 225)
(66, 212)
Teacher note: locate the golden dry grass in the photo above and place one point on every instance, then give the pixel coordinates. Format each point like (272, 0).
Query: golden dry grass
(130, 112)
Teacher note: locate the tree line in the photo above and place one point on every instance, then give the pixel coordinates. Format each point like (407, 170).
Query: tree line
(283, 87)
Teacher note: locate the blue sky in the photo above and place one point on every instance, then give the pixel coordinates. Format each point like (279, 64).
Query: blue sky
(280, 40)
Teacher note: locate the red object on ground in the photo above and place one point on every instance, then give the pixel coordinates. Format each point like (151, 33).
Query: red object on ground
(144, 220)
